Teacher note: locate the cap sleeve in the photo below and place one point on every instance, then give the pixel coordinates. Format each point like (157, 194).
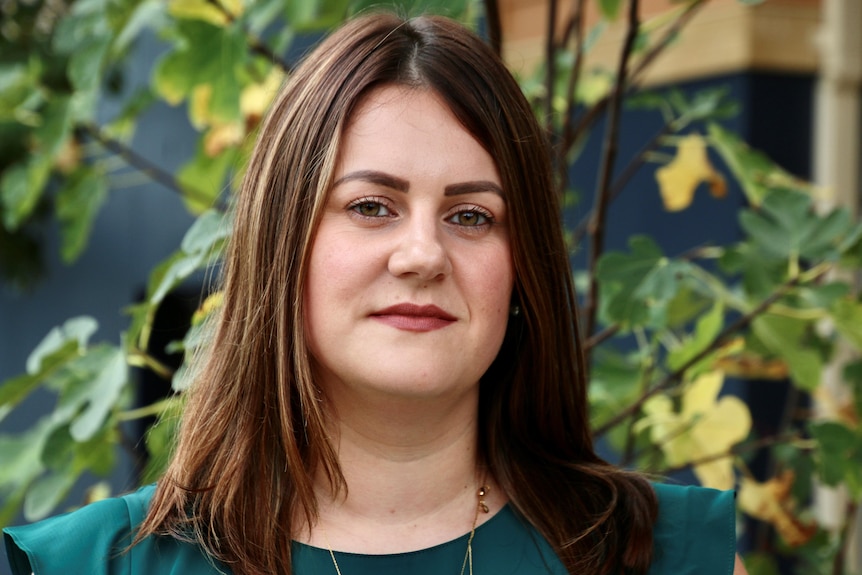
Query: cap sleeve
(91, 540)
(695, 533)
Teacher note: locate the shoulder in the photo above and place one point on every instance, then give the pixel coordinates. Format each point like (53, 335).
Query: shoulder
(95, 541)
(695, 532)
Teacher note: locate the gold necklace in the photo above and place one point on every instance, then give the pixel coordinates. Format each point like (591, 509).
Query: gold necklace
(468, 556)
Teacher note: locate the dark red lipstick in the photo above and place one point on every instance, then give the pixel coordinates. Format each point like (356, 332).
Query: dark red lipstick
(412, 317)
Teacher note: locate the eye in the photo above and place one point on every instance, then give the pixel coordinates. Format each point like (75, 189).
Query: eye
(472, 217)
(369, 208)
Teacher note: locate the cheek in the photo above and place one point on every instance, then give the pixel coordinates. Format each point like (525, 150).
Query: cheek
(493, 283)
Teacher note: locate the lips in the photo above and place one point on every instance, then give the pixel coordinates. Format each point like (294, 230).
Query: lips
(412, 317)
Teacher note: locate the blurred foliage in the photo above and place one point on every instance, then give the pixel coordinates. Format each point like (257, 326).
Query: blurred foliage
(770, 306)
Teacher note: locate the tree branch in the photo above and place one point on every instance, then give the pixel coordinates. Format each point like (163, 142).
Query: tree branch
(602, 195)
(576, 27)
(256, 45)
(495, 28)
(600, 337)
(669, 379)
(591, 115)
(669, 35)
(738, 449)
(550, 65)
(140, 163)
(623, 179)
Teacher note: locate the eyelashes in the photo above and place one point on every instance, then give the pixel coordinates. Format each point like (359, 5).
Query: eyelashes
(372, 208)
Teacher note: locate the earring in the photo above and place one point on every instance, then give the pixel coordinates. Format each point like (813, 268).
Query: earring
(515, 311)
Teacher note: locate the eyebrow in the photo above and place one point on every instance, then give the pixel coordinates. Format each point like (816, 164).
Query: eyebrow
(377, 178)
(473, 188)
(402, 185)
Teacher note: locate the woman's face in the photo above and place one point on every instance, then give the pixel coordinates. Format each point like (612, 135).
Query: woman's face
(410, 276)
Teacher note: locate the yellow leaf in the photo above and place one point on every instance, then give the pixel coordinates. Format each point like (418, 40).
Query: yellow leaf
(771, 502)
(68, 157)
(256, 98)
(837, 404)
(594, 86)
(221, 137)
(679, 179)
(211, 303)
(706, 428)
(199, 106)
(206, 11)
(753, 366)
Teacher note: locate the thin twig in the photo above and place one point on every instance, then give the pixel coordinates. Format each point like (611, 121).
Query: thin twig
(550, 65)
(623, 179)
(142, 359)
(140, 163)
(669, 36)
(629, 449)
(576, 27)
(739, 449)
(600, 337)
(669, 379)
(495, 27)
(594, 113)
(610, 147)
(256, 45)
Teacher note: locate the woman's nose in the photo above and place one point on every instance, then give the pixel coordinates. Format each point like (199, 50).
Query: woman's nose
(420, 252)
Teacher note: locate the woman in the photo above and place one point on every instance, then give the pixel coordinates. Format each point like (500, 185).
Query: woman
(394, 382)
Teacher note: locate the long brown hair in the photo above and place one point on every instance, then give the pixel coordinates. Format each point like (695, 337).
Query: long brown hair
(253, 431)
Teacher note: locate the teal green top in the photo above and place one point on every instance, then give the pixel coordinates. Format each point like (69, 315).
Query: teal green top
(694, 535)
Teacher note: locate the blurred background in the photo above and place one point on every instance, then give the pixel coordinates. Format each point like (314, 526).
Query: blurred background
(124, 123)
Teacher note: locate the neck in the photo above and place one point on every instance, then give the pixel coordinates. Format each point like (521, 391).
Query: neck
(411, 471)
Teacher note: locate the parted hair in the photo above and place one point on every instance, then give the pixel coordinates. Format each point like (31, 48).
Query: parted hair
(254, 434)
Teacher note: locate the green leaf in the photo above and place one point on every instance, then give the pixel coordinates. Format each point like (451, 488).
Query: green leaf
(46, 493)
(21, 455)
(751, 168)
(706, 330)
(687, 304)
(101, 396)
(761, 563)
(86, 63)
(160, 440)
(75, 332)
(87, 21)
(779, 226)
(839, 453)
(98, 454)
(259, 15)
(78, 204)
(208, 55)
(613, 384)
(13, 391)
(783, 336)
(825, 295)
(637, 287)
(847, 315)
(59, 449)
(203, 178)
(610, 9)
(21, 187)
(760, 274)
(314, 15)
(56, 126)
(201, 246)
(456, 9)
(19, 82)
(205, 233)
(149, 14)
